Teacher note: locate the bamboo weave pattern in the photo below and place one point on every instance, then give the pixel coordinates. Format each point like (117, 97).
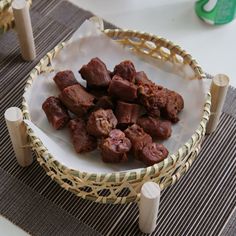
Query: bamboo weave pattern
(123, 187)
(6, 15)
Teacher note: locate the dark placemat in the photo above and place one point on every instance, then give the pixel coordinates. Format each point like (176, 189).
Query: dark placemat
(201, 203)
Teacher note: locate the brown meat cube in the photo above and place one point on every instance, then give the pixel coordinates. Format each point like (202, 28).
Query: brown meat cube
(105, 102)
(153, 153)
(114, 148)
(155, 112)
(56, 112)
(141, 78)
(82, 141)
(170, 112)
(122, 89)
(138, 139)
(126, 70)
(65, 79)
(174, 105)
(160, 129)
(101, 122)
(127, 113)
(95, 73)
(153, 98)
(77, 99)
(97, 92)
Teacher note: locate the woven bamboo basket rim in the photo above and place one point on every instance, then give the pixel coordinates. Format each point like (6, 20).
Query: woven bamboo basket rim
(131, 175)
(5, 4)
(6, 15)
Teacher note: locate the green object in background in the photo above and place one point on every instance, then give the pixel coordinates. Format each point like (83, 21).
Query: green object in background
(216, 12)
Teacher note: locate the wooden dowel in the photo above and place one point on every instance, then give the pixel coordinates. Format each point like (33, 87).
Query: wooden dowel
(17, 130)
(148, 206)
(219, 87)
(24, 29)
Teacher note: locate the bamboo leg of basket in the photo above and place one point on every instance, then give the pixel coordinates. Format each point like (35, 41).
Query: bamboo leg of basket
(17, 131)
(148, 206)
(219, 87)
(24, 29)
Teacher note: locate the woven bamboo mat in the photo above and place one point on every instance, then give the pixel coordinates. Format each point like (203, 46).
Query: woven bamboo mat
(203, 202)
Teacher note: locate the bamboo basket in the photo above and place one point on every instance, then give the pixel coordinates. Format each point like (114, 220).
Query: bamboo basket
(6, 15)
(123, 187)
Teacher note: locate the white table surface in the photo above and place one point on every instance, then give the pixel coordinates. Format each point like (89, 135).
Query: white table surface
(214, 47)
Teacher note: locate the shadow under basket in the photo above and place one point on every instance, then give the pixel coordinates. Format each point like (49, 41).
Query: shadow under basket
(125, 186)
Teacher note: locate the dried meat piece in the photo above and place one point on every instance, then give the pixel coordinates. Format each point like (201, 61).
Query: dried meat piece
(56, 112)
(122, 89)
(127, 113)
(97, 93)
(141, 78)
(82, 141)
(160, 101)
(160, 129)
(152, 95)
(126, 70)
(95, 73)
(138, 139)
(65, 79)
(105, 102)
(174, 105)
(101, 122)
(153, 153)
(114, 149)
(153, 98)
(77, 99)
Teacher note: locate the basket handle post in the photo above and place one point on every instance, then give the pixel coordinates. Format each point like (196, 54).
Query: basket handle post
(17, 131)
(24, 29)
(219, 87)
(148, 206)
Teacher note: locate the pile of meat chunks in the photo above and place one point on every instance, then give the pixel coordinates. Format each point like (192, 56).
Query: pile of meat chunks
(119, 112)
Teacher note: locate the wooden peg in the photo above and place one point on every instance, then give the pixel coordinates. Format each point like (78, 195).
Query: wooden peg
(148, 206)
(17, 130)
(24, 29)
(219, 87)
